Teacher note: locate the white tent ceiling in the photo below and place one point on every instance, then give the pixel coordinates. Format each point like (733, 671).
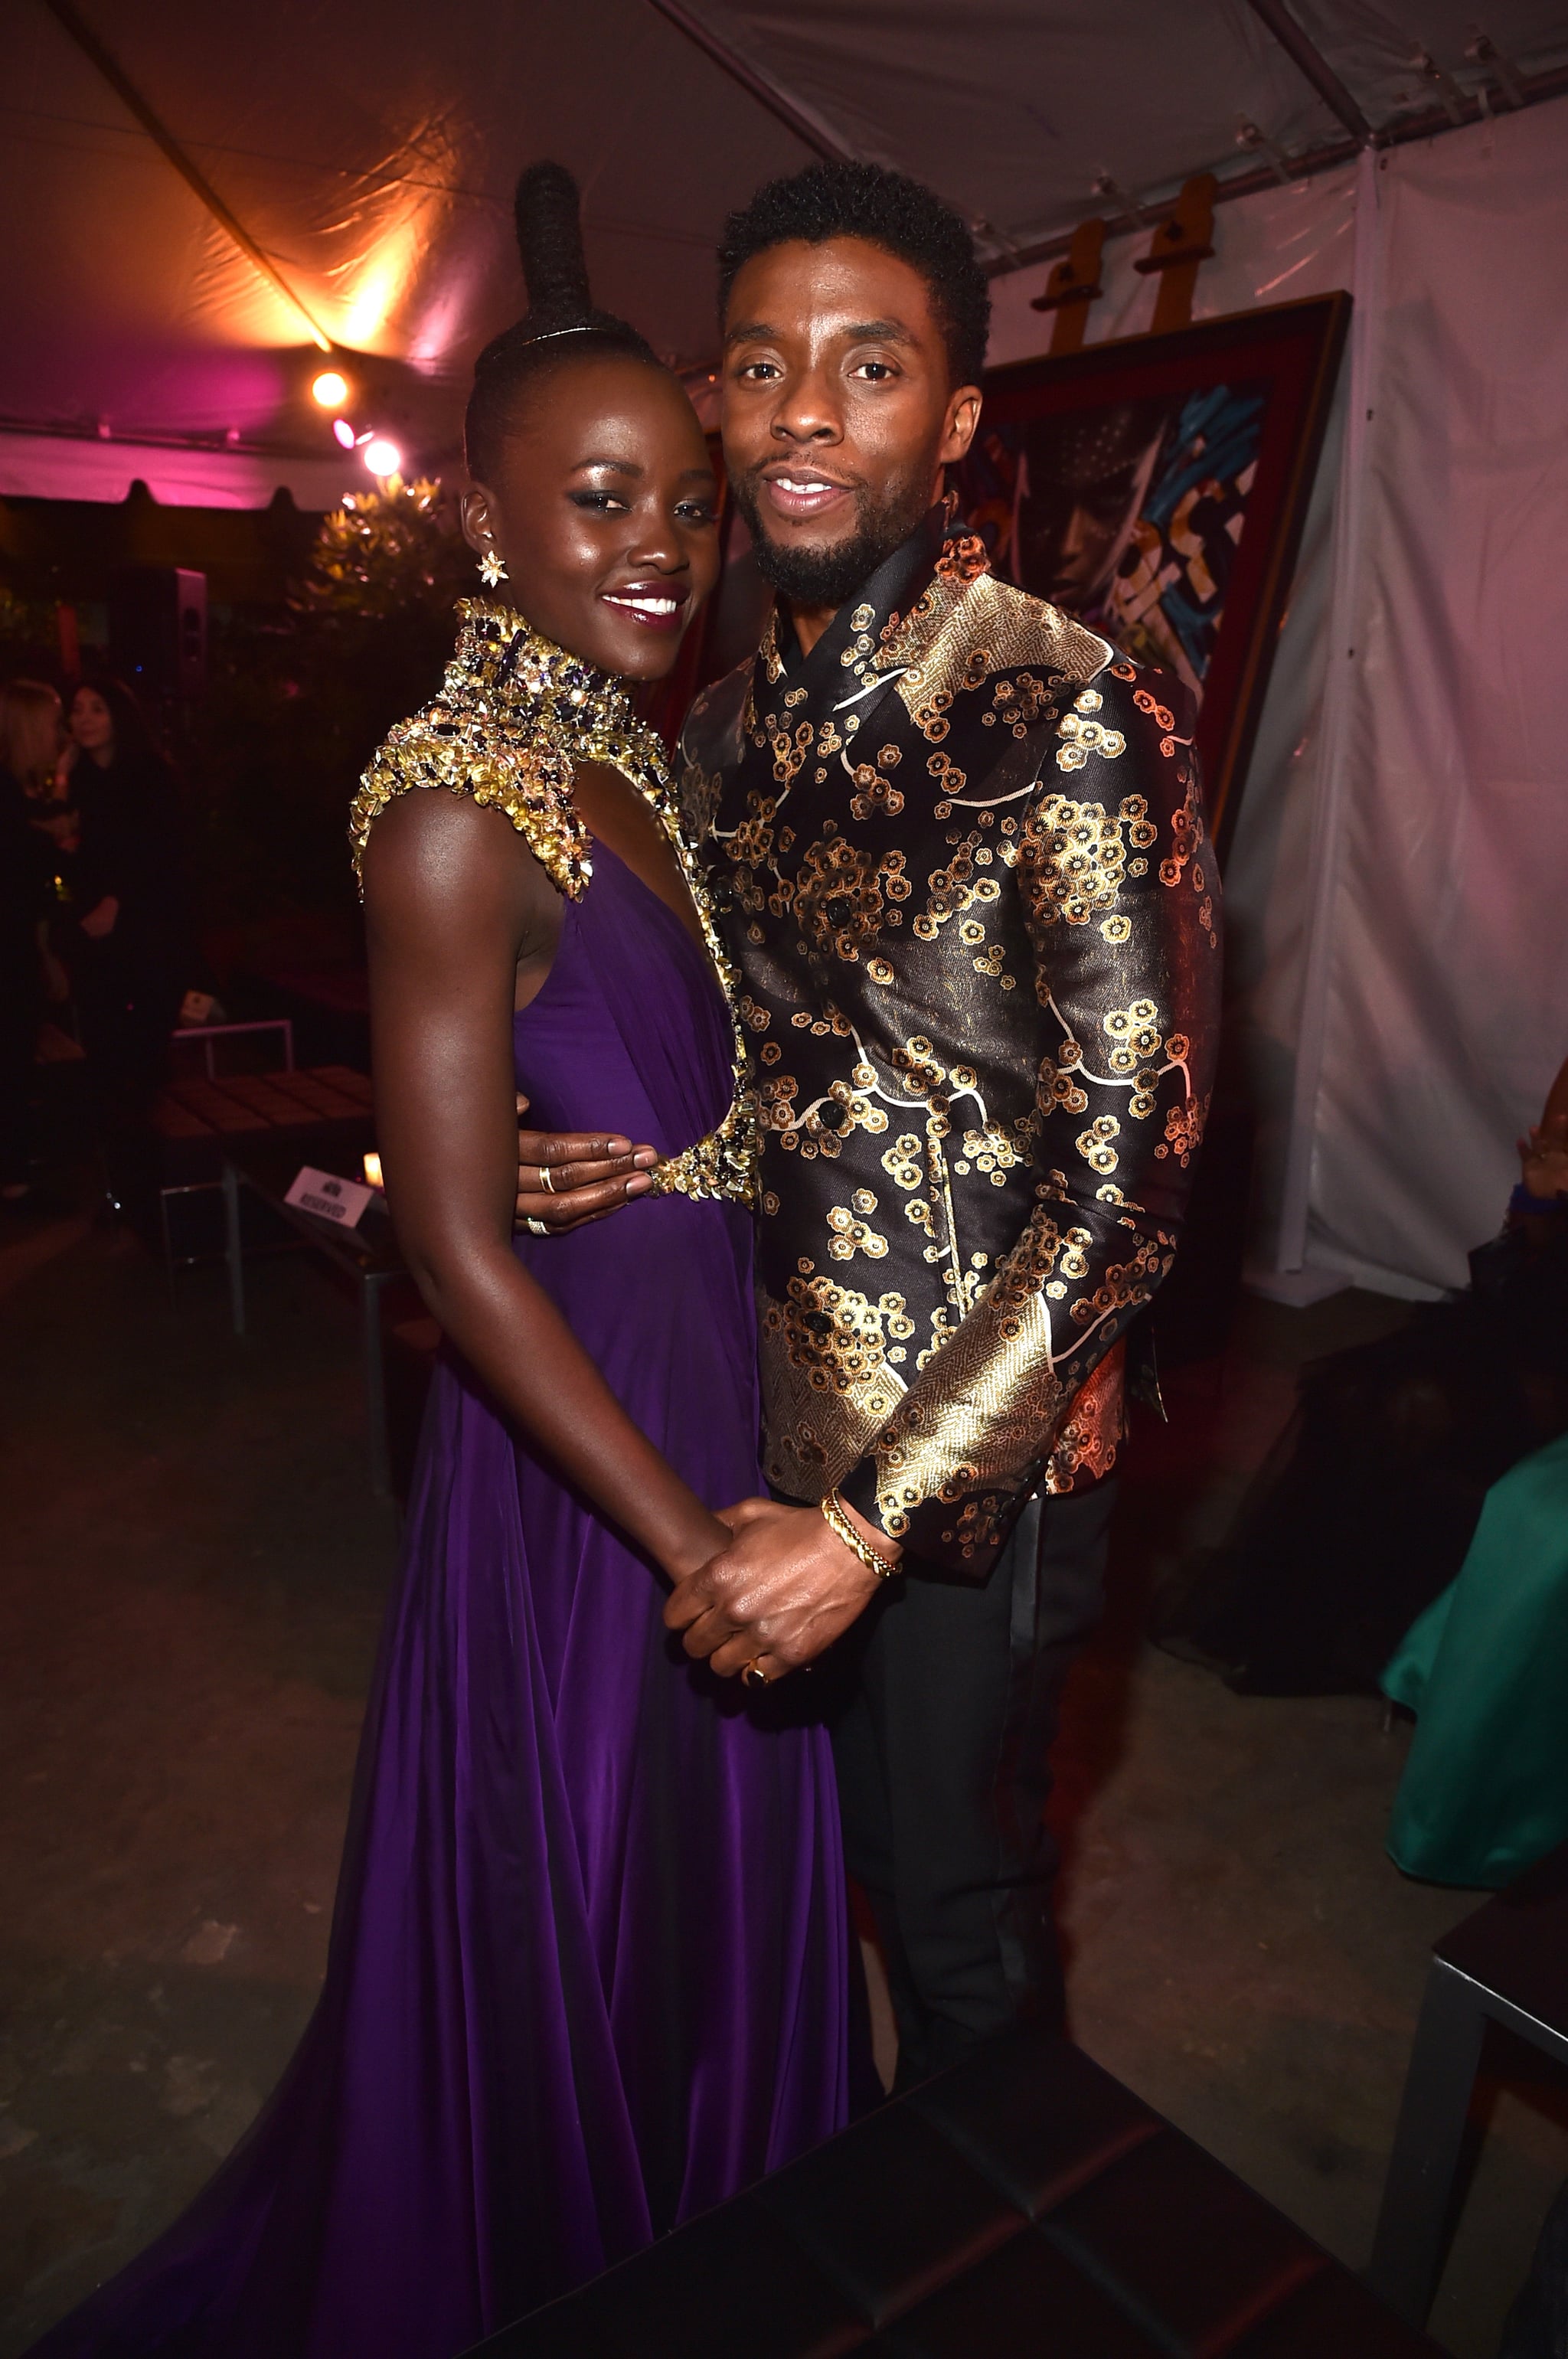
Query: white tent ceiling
(368, 147)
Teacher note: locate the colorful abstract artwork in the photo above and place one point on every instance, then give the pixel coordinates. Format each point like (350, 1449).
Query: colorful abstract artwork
(1156, 487)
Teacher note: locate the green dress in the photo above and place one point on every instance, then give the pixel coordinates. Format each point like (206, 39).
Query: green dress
(1485, 1792)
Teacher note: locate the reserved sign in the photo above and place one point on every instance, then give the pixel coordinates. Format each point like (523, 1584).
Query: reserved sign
(330, 1197)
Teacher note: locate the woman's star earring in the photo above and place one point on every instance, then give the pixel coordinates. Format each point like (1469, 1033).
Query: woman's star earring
(492, 569)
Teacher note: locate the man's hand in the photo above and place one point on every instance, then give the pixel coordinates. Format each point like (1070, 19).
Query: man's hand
(99, 922)
(590, 1174)
(778, 1596)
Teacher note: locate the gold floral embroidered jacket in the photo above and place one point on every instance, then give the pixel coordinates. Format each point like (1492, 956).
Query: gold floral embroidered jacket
(958, 853)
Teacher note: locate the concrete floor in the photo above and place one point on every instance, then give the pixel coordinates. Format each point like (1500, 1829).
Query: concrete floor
(193, 1574)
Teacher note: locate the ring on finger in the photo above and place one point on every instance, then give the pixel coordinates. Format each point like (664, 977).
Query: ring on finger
(754, 1676)
(537, 1228)
(546, 1183)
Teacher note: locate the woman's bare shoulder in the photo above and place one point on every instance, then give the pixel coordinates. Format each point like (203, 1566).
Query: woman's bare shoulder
(435, 857)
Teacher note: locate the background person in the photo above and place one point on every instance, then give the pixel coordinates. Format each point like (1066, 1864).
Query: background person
(128, 947)
(30, 813)
(1365, 1509)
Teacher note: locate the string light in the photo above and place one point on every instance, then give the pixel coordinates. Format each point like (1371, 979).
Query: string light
(344, 432)
(382, 457)
(330, 389)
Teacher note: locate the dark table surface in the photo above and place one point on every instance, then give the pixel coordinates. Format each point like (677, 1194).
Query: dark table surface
(1517, 1944)
(271, 1164)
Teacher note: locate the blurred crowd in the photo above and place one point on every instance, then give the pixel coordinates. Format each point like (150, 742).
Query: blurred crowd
(95, 932)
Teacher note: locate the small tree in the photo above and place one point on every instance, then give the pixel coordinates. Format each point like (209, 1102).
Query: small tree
(384, 553)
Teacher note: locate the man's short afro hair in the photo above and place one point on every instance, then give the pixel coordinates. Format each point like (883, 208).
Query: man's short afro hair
(887, 209)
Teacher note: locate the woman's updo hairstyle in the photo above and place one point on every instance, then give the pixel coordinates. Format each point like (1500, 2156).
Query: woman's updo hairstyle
(560, 324)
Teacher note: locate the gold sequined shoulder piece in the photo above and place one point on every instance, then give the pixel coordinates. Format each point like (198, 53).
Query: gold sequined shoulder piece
(531, 784)
(963, 630)
(515, 716)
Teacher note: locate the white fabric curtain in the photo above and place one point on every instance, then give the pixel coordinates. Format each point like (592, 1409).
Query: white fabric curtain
(1445, 965)
(1397, 890)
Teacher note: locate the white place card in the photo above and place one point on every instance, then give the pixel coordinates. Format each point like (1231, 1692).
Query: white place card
(330, 1197)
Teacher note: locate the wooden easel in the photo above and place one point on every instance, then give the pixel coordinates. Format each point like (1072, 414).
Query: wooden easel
(1072, 285)
(1182, 240)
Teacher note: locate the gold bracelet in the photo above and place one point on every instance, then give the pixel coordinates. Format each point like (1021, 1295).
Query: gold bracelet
(838, 1523)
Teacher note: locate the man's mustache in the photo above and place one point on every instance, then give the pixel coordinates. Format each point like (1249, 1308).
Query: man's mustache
(747, 487)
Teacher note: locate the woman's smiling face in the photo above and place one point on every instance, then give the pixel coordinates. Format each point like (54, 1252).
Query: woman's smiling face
(604, 511)
(93, 723)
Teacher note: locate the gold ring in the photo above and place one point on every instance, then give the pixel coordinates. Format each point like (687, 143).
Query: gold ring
(546, 1183)
(754, 1676)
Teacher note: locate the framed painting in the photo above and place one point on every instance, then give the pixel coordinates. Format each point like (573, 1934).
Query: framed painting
(1156, 487)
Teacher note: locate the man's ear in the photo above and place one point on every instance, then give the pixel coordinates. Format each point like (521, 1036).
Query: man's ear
(962, 417)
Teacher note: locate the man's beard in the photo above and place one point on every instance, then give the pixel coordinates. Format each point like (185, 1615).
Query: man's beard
(830, 576)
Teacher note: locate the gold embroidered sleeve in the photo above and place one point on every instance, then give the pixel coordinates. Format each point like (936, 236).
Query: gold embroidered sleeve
(1122, 908)
(531, 783)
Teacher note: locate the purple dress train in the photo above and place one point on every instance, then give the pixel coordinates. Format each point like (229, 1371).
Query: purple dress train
(589, 1964)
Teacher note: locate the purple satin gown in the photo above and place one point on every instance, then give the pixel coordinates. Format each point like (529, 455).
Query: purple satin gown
(589, 1964)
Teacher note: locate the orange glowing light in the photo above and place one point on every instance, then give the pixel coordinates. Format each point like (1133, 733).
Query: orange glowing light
(330, 389)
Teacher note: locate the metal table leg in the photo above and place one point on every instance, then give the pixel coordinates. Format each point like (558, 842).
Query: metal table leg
(380, 1453)
(232, 1253)
(1414, 2225)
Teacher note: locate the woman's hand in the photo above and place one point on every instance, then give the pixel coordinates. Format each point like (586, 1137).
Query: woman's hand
(1543, 1157)
(61, 824)
(590, 1174)
(99, 922)
(782, 1591)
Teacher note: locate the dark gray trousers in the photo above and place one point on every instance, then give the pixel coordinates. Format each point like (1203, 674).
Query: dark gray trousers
(943, 1702)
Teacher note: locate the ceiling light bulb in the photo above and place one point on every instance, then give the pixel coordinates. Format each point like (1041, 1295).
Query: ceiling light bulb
(383, 458)
(344, 432)
(330, 389)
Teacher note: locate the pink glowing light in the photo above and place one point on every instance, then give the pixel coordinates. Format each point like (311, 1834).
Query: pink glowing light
(344, 432)
(383, 458)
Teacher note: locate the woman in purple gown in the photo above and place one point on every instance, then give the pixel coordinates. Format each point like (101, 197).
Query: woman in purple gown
(588, 1969)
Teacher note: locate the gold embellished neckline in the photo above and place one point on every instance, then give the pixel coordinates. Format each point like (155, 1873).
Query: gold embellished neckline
(501, 656)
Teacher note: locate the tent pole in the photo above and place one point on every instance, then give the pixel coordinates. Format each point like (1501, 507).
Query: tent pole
(762, 88)
(1309, 60)
(120, 82)
(1327, 842)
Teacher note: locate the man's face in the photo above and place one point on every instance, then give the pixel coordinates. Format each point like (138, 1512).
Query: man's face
(838, 415)
(1072, 542)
